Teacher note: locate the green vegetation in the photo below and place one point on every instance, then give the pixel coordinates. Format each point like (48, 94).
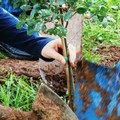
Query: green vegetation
(103, 28)
(44, 11)
(16, 92)
(3, 56)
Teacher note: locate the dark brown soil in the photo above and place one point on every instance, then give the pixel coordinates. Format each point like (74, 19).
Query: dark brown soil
(31, 69)
(43, 109)
(20, 67)
(110, 55)
(99, 112)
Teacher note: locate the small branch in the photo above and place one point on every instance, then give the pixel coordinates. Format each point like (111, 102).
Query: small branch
(66, 24)
(61, 12)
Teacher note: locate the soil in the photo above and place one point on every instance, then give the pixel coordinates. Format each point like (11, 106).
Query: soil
(111, 55)
(43, 109)
(31, 69)
(19, 67)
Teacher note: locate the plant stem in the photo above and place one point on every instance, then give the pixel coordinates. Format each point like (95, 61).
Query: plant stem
(69, 75)
(68, 69)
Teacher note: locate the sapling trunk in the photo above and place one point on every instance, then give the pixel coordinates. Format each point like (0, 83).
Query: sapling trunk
(69, 74)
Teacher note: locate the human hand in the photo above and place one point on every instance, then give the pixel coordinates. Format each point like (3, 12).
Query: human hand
(50, 50)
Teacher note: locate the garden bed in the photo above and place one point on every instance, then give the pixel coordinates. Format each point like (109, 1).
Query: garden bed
(110, 56)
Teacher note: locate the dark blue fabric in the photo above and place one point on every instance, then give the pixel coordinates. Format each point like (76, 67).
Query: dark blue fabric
(19, 38)
(6, 5)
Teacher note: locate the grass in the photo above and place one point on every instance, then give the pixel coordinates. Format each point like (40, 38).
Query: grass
(95, 35)
(3, 56)
(105, 32)
(16, 92)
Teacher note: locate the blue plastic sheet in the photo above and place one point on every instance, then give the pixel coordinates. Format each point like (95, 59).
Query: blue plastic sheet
(102, 88)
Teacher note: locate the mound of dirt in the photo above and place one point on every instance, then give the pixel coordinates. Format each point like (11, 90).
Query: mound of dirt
(43, 109)
(31, 69)
(20, 67)
(110, 55)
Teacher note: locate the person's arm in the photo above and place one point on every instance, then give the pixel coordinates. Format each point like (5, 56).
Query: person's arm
(42, 47)
(19, 38)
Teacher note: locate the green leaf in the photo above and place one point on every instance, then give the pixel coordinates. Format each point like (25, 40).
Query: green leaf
(61, 31)
(105, 22)
(26, 7)
(103, 10)
(22, 16)
(30, 30)
(60, 2)
(20, 24)
(51, 31)
(51, 2)
(88, 4)
(33, 1)
(57, 16)
(37, 5)
(32, 14)
(68, 15)
(16, 4)
(45, 13)
(38, 27)
(82, 10)
(43, 28)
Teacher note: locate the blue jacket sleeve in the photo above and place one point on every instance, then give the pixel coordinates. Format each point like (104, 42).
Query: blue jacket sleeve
(19, 38)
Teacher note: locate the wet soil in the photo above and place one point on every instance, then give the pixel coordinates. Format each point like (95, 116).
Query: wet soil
(42, 109)
(31, 69)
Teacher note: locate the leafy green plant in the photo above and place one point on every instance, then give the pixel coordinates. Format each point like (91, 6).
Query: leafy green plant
(102, 9)
(104, 31)
(16, 92)
(37, 13)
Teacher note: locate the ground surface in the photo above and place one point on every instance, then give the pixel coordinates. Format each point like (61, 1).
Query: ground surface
(110, 56)
(42, 109)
